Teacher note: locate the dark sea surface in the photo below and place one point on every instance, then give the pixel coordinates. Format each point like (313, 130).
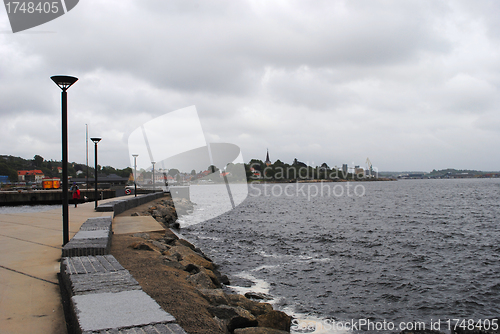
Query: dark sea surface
(403, 251)
(27, 208)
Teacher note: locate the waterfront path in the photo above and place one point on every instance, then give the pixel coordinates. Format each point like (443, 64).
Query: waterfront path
(30, 253)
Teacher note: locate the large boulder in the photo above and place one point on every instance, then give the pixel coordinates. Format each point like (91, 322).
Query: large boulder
(201, 280)
(258, 295)
(169, 216)
(169, 238)
(214, 296)
(160, 245)
(221, 278)
(258, 330)
(229, 312)
(182, 242)
(212, 276)
(222, 325)
(275, 319)
(183, 206)
(175, 265)
(172, 262)
(141, 246)
(190, 256)
(240, 322)
(173, 257)
(163, 210)
(163, 213)
(254, 307)
(194, 269)
(236, 317)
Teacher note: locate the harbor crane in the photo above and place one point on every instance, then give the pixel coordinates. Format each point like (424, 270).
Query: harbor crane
(369, 167)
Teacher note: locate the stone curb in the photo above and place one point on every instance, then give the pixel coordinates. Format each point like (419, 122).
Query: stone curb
(150, 329)
(103, 296)
(95, 274)
(93, 238)
(120, 206)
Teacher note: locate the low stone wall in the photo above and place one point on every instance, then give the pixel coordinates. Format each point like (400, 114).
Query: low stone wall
(93, 238)
(103, 297)
(129, 202)
(39, 197)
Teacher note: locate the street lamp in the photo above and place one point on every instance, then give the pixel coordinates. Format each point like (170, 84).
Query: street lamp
(87, 152)
(64, 82)
(95, 140)
(153, 175)
(135, 173)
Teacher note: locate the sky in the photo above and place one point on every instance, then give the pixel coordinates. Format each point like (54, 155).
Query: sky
(411, 85)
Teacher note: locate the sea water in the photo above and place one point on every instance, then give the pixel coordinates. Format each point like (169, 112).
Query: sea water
(402, 252)
(27, 208)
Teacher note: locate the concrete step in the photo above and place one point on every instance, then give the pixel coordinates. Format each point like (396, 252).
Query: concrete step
(93, 238)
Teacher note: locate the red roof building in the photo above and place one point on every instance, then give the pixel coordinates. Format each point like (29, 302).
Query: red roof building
(34, 175)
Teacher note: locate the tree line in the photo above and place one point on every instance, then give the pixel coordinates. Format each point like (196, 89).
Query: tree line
(9, 165)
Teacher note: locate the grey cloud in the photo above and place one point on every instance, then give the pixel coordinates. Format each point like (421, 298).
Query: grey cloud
(214, 48)
(405, 83)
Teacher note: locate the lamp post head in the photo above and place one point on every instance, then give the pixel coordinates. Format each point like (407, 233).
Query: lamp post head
(64, 81)
(95, 140)
(135, 155)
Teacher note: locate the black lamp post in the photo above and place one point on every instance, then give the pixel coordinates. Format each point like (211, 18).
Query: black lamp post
(135, 174)
(95, 140)
(64, 82)
(87, 152)
(153, 175)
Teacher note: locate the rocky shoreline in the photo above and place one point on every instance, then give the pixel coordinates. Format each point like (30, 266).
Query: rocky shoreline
(231, 312)
(188, 284)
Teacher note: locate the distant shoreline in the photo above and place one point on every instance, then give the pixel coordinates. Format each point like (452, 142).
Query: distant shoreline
(320, 181)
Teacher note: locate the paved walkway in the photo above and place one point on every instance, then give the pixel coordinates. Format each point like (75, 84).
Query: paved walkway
(126, 225)
(30, 251)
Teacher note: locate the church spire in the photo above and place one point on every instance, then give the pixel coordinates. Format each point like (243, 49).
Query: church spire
(268, 161)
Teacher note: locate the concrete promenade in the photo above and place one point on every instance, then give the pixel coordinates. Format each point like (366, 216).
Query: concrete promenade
(30, 253)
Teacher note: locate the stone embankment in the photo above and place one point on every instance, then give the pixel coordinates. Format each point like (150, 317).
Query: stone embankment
(127, 203)
(233, 313)
(104, 297)
(100, 295)
(165, 212)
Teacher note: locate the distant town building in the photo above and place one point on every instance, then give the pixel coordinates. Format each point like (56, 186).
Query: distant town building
(255, 173)
(360, 172)
(345, 169)
(34, 175)
(268, 161)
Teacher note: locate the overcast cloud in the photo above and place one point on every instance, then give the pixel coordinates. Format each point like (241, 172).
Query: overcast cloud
(413, 85)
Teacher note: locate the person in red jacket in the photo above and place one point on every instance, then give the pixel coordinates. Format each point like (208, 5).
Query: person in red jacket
(76, 193)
